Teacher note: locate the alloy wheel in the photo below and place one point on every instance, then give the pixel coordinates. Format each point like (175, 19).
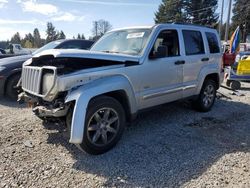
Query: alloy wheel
(103, 126)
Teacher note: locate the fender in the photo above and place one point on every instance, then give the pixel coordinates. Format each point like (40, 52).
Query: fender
(210, 69)
(83, 94)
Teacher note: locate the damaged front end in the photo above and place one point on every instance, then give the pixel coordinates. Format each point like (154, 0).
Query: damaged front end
(47, 110)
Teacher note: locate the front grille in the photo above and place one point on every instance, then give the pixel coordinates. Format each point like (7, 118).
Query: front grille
(32, 78)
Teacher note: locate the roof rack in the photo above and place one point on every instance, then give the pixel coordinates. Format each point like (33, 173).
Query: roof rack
(186, 23)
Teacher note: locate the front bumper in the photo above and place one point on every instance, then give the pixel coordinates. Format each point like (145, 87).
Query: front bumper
(2, 84)
(56, 110)
(43, 111)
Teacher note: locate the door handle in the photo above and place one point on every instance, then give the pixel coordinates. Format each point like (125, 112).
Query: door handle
(179, 62)
(205, 59)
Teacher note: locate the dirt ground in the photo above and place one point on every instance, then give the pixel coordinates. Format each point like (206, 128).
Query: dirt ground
(170, 146)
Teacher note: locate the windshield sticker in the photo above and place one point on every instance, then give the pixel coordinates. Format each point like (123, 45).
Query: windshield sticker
(135, 35)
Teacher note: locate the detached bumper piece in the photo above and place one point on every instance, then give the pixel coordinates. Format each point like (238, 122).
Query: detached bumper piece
(42, 111)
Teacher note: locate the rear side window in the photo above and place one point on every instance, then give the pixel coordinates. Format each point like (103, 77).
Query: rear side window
(87, 44)
(193, 42)
(71, 45)
(212, 43)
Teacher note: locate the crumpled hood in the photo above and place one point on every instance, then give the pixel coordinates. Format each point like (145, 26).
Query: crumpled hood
(68, 61)
(75, 53)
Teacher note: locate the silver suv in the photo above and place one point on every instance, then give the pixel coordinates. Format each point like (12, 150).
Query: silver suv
(127, 70)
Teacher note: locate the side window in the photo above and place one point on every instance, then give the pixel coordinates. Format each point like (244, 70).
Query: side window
(86, 45)
(167, 43)
(71, 45)
(193, 42)
(212, 43)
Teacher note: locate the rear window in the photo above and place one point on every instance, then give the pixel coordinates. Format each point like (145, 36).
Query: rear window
(193, 42)
(212, 43)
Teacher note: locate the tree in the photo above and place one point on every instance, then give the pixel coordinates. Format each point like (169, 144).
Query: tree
(78, 36)
(16, 38)
(241, 17)
(100, 27)
(51, 33)
(28, 44)
(37, 38)
(170, 11)
(83, 37)
(61, 35)
(201, 12)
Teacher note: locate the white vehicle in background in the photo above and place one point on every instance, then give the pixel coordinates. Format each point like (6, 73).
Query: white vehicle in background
(17, 49)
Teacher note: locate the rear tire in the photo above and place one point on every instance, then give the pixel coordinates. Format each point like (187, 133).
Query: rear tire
(11, 91)
(104, 125)
(206, 98)
(235, 85)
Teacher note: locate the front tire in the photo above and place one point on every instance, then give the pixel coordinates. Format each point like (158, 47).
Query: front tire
(11, 90)
(207, 96)
(104, 125)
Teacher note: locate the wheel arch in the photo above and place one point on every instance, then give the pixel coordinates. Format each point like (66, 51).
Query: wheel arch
(122, 97)
(17, 72)
(214, 77)
(117, 86)
(206, 74)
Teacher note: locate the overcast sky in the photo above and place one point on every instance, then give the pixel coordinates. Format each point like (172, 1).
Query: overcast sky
(73, 16)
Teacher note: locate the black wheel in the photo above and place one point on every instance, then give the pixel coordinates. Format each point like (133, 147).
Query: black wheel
(206, 98)
(235, 85)
(11, 90)
(104, 125)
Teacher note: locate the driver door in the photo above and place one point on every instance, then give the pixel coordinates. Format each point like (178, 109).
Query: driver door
(163, 71)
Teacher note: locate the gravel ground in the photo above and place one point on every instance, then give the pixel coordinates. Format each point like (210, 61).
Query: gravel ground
(171, 146)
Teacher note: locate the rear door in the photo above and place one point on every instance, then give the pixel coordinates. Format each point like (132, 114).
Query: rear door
(195, 58)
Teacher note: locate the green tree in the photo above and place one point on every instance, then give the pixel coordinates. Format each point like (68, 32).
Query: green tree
(16, 38)
(201, 12)
(61, 35)
(241, 17)
(28, 38)
(78, 36)
(51, 33)
(37, 39)
(83, 37)
(170, 11)
(28, 44)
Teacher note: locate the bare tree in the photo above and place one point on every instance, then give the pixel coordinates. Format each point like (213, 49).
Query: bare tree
(100, 27)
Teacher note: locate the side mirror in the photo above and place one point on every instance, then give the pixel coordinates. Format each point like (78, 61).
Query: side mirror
(160, 53)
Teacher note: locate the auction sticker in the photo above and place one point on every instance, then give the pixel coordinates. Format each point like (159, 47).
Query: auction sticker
(135, 35)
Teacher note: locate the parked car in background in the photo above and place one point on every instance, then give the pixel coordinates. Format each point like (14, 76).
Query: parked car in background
(10, 68)
(126, 71)
(2, 51)
(17, 49)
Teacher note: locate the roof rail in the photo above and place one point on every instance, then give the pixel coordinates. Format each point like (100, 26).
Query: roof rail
(186, 23)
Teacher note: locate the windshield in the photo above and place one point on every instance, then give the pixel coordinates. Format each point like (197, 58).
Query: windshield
(130, 41)
(48, 46)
